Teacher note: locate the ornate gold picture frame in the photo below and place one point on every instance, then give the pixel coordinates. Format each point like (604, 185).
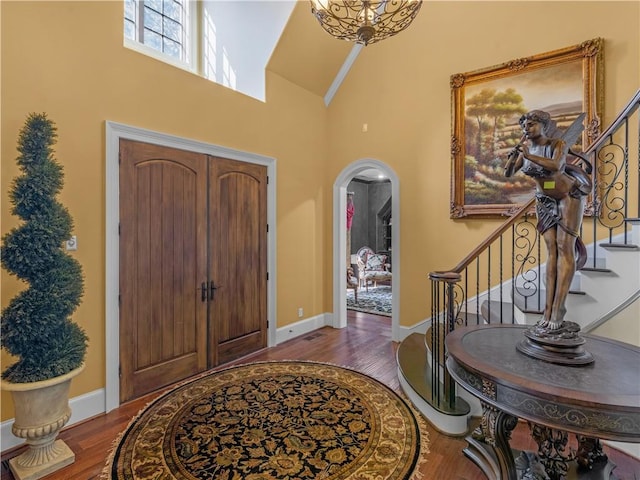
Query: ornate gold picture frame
(486, 106)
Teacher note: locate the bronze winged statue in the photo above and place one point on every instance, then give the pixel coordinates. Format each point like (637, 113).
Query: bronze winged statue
(561, 188)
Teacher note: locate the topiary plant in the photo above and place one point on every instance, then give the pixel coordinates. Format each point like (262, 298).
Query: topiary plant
(36, 325)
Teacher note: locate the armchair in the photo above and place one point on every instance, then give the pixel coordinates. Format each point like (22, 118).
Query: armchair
(372, 268)
(352, 282)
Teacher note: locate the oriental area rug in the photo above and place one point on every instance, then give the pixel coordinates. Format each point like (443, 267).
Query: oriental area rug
(273, 421)
(377, 300)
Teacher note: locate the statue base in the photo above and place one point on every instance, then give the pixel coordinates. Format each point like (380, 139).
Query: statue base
(562, 346)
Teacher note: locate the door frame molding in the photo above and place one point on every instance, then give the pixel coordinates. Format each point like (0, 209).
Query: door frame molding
(340, 240)
(113, 133)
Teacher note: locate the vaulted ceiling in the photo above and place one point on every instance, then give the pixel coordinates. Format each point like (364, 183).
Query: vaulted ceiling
(307, 55)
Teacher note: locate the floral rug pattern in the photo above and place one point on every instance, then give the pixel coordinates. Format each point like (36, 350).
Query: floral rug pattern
(273, 421)
(377, 300)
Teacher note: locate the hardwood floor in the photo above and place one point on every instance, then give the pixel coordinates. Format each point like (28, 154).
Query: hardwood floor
(365, 345)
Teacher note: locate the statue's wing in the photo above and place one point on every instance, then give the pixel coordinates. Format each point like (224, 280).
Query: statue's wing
(571, 134)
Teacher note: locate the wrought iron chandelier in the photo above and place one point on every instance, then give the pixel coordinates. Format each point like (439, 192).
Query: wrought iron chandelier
(364, 21)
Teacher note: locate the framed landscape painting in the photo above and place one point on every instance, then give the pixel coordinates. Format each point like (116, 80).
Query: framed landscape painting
(486, 107)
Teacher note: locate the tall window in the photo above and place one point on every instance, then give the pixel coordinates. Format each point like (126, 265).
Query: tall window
(158, 24)
(227, 42)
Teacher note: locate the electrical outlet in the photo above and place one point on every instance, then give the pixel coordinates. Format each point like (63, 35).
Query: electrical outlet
(300, 312)
(72, 243)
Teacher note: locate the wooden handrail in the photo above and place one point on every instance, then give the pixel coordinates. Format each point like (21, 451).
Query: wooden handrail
(628, 110)
(488, 241)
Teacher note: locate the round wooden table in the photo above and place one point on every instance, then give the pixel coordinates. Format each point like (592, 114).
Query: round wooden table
(596, 401)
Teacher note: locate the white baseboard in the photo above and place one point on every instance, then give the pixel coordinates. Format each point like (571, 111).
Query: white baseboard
(420, 327)
(91, 404)
(303, 327)
(83, 407)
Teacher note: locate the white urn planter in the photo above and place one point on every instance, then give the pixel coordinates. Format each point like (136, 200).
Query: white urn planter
(41, 410)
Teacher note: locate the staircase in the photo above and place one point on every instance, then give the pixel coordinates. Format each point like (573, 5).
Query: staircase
(501, 280)
(613, 279)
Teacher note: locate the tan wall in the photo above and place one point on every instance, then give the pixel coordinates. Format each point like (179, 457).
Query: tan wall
(400, 88)
(624, 326)
(67, 59)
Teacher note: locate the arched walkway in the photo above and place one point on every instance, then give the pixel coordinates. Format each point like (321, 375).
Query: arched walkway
(340, 240)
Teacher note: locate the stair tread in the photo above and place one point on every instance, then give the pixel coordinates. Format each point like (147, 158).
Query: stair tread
(471, 318)
(531, 303)
(621, 246)
(533, 300)
(411, 357)
(597, 270)
(534, 304)
(494, 311)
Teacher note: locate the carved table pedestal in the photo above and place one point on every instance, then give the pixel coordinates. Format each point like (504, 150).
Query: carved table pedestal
(593, 402)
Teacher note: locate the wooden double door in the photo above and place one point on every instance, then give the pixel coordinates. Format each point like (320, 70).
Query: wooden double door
(193, 257)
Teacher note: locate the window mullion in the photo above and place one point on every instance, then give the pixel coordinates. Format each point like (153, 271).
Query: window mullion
(192, 36)
(140, 20)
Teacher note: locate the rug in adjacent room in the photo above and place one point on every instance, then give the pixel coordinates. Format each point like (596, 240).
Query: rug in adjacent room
(377, 300)
(272, 421)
